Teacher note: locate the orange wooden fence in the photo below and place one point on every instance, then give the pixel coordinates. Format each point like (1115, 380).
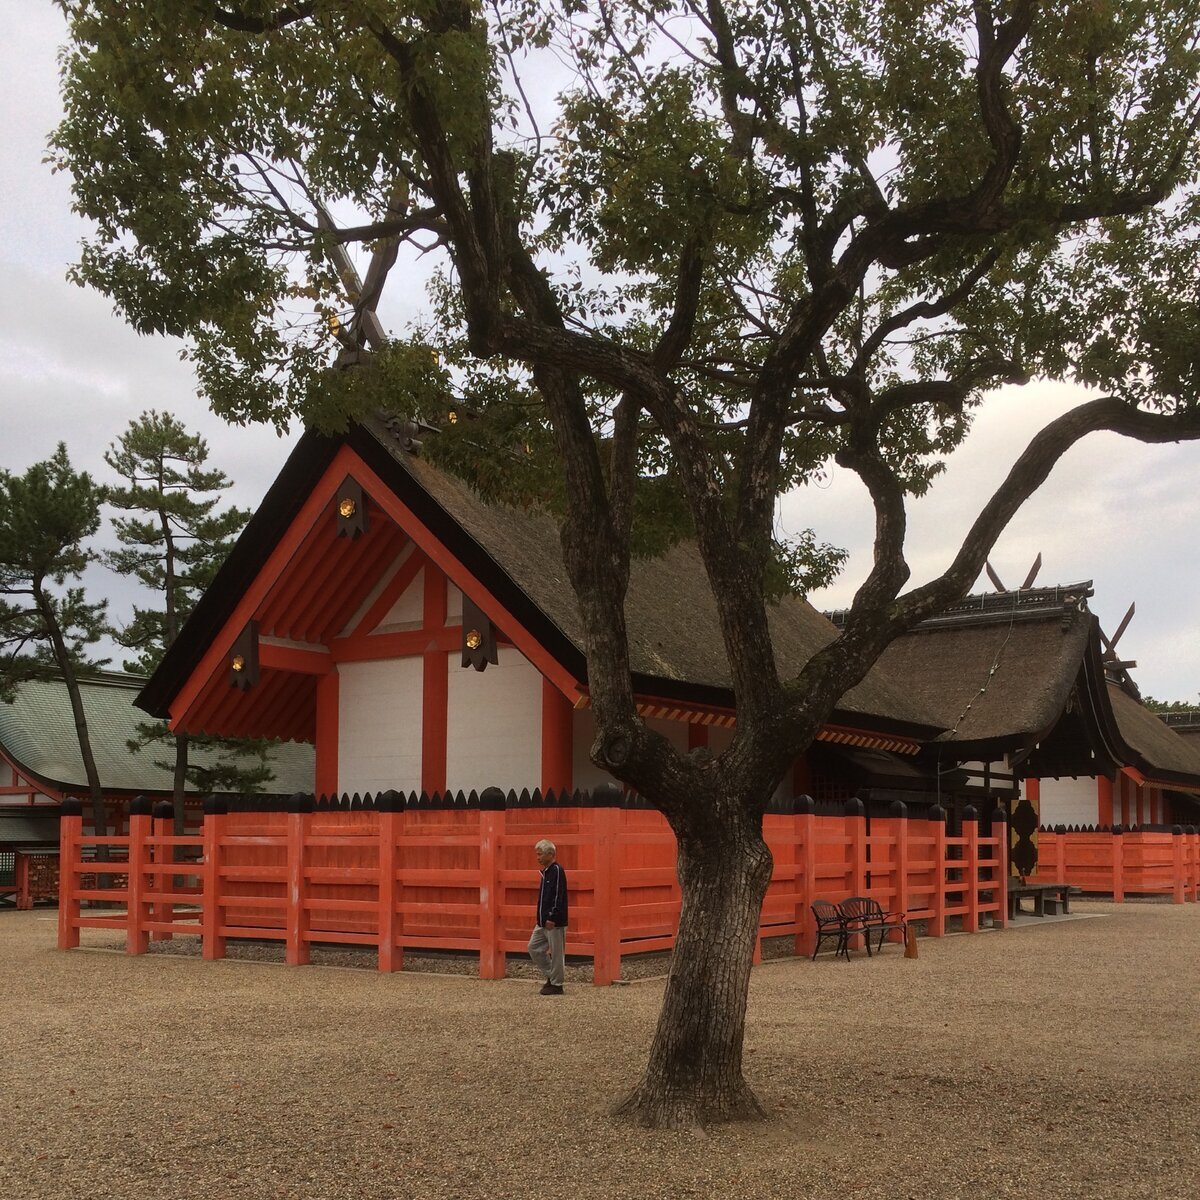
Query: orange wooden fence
(458, 873)
(1163, 861)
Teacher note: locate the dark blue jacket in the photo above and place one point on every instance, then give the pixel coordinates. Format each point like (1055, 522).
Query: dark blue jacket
(552, 896)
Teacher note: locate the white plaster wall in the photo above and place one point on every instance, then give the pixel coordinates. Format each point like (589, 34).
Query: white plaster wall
(409, 610)
(379, 725)
(1069, 801)
(494, 724)
(453, 604)
(585, 774)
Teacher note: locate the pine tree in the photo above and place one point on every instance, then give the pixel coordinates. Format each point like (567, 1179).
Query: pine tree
(47, 625)
(173, 539)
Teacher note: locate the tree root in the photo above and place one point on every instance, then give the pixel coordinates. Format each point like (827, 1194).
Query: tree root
(655, 1107)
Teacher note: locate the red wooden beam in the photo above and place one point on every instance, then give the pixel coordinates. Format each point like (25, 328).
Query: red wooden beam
(395, 645)
(294, 659)
(353, 600)
(359, 564)
(310, 512)
(529, 646)
(392, 591)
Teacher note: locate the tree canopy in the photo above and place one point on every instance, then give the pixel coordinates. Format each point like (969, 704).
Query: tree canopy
(47, 624)
(688, 252)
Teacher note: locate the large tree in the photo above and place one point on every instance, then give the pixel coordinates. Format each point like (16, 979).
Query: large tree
(173, 538)
(47, 624)
(693, 250)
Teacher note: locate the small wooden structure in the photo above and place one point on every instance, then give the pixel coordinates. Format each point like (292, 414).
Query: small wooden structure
(1043, 719)
(28, 856)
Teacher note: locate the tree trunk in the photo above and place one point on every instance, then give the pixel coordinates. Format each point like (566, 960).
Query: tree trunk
(63, 659)
(694, 1074)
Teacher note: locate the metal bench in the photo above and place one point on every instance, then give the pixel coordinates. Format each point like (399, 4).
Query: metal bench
(830, 924)
(864, 915)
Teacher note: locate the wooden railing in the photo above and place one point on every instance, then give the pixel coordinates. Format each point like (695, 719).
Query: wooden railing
(422, 873)
(1119, 863)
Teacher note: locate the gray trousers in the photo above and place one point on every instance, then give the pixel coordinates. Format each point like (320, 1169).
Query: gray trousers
(547, 948)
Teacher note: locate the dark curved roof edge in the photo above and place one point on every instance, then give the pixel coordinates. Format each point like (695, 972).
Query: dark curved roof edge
(283, 500)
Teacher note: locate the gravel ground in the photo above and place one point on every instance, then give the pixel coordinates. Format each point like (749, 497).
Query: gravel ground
(1058, 1060)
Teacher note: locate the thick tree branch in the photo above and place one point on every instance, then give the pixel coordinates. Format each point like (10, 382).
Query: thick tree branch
(289, 14)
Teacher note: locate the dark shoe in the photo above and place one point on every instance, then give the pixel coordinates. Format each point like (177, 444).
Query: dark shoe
(551, 989)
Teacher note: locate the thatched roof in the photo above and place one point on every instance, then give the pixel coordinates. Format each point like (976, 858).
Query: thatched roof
(676, 649)
(1162, 751)
(997, 669)
(37, 731)
(671, 616)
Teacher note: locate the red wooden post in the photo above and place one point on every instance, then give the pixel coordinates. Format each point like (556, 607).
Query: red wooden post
(1178, 866)
(391, 823)
(1118, 865)
(163, 826)
(297, 949)
(137, 940)
(493, 822)
(22, 898)
(1060, 858)
(606, 899)
(1000, 879)
(806, 868)
(900, 855)
(856, 827)
(70, 827)
(1104, 795)
(212, 944)
(937, 921)
(971, 869)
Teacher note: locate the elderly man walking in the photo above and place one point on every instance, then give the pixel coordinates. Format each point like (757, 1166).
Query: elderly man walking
(547, 944)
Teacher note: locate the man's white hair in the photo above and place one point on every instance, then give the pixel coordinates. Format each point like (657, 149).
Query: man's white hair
(545, 846)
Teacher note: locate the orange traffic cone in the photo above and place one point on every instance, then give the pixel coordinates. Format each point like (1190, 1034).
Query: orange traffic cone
(910, 942)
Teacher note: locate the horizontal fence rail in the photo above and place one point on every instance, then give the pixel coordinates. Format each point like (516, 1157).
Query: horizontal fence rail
(415, 873)
(1159, 860)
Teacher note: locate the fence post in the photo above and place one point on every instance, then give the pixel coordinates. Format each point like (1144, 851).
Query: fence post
(137, 940)
(606, 898)
(390, 805)
(1000, 882)
(163, 826)
(297, 948)
(806, 865)
(856, 827)
(1118, 865)
(70, 827)
(971, 868)
(212, 944)
(899, 814)
(937, 922)
(493, 822)
(1178, 880)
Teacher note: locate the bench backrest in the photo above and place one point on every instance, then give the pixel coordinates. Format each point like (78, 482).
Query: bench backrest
(826, 912)
(861, 908)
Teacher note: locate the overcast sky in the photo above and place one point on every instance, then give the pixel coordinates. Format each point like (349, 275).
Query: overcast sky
(1118, 513)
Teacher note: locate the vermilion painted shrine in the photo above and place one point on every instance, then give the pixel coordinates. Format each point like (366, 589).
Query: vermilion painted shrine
(428, 643)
